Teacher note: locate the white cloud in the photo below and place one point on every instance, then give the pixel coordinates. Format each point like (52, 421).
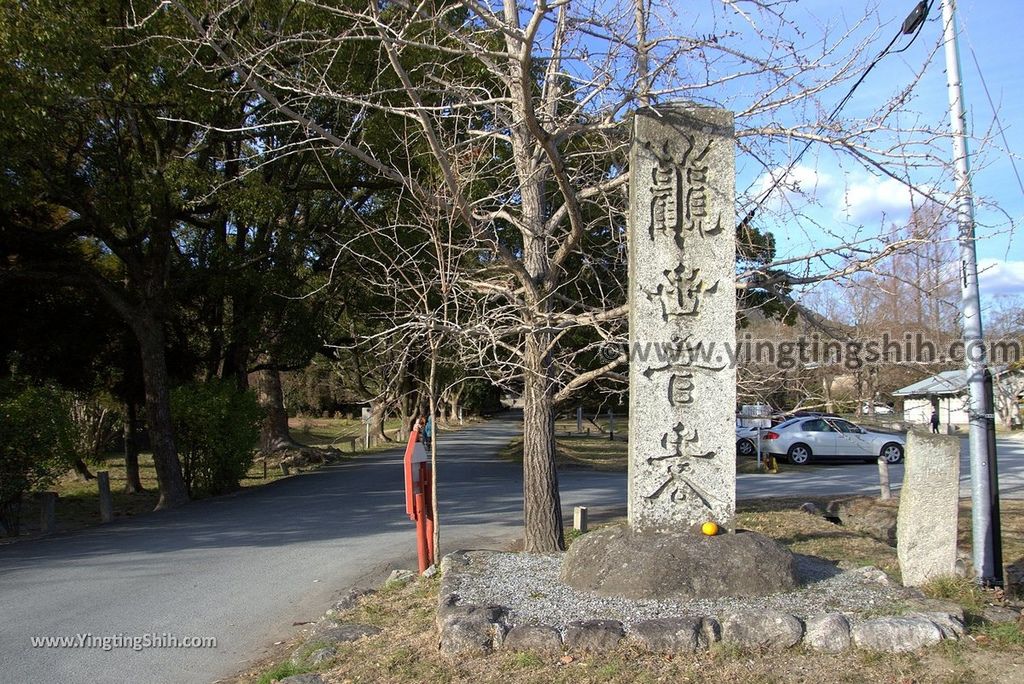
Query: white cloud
(998, 277)
(800, 179)
(874, 201)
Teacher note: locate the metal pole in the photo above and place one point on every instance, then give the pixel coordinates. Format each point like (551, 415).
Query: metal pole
(970, 303)
(759, 447)
(993, 469)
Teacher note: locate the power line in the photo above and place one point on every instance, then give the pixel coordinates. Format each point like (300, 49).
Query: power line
(995, 115)
(912, 24)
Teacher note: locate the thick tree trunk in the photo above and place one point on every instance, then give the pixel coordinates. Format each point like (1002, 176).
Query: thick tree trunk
(82, 470)
(132, 480)
(274, 433)
(377, 422)
(158, 413)
(454, 401)
(542, 507)
(10, 516)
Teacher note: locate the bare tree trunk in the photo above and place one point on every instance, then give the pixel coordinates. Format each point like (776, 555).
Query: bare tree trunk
(454, 401)
(432, 395)
(377, 422)
(542, 507)
(10, 516)
(82, 470)
(274, 432)
(158, 413)
(132, 480)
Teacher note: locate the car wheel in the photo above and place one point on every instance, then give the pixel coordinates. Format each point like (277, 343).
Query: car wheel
(892, 453)
(799, 454)
(745, 447)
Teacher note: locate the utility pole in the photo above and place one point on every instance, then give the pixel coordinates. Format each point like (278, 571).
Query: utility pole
(981, 422)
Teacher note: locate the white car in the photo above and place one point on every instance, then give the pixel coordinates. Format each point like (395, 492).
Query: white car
(802, 440)
(746, 440)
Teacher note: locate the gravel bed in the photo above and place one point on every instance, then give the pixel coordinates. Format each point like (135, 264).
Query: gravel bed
(528, 585)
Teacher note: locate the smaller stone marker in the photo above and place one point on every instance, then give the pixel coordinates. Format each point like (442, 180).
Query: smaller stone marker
(106, 501)
(579, 419)
(926, 525)
(48, 512)
(579, 519)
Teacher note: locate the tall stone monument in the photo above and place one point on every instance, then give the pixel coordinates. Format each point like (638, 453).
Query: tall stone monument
(682, 386)
(682, 396)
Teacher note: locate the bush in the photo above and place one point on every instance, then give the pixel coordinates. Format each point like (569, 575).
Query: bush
(215, 428)
(36, 444)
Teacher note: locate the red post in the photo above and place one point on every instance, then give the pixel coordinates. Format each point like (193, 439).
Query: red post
(428, 511)
(421, 533)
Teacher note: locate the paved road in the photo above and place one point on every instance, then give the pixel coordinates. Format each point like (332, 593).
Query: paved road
(607, 490)
(243, 568)
(239, 568)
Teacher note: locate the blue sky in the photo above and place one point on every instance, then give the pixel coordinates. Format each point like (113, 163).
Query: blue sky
(840, 200)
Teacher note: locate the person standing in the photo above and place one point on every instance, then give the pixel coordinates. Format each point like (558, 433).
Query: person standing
(935, 422)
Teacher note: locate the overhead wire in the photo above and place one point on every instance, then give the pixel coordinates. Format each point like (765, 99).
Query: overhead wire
(923, 7)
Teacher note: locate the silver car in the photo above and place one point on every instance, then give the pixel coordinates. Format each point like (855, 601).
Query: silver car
(802, 440)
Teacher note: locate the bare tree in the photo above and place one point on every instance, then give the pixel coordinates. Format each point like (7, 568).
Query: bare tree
(510, 121)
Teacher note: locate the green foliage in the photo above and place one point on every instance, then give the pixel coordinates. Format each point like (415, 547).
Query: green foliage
(1001, 636)
(216, 426)
(281, 671)
(35, 443)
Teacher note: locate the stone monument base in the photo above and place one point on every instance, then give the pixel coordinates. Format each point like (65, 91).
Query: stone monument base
(617, 561)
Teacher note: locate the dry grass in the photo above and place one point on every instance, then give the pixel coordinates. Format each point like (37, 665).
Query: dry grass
(78, 501)
(406, 651)
(594, 453)
(337, 432)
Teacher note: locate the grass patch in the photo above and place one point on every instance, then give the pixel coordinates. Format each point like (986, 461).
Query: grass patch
(960, 590)
(336, 433)
(582, 452)
(522, 661)
(1000, 636)
(280, 671)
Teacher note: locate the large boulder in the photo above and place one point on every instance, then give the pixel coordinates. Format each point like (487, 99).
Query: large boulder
(617, 561)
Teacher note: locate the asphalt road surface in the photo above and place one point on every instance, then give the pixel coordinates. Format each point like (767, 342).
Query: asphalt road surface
(243, 568)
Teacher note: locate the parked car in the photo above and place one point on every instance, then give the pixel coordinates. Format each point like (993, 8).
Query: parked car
(746, 437)
(801, 440)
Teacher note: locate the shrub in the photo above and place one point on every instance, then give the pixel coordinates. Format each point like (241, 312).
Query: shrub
(215, 428)
(36, 444)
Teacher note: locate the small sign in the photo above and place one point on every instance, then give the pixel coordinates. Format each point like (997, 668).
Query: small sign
(366, 414)
(756, 411)
(755, 422)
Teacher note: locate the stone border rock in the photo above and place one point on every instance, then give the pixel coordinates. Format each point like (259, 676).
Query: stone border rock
(471, 630)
